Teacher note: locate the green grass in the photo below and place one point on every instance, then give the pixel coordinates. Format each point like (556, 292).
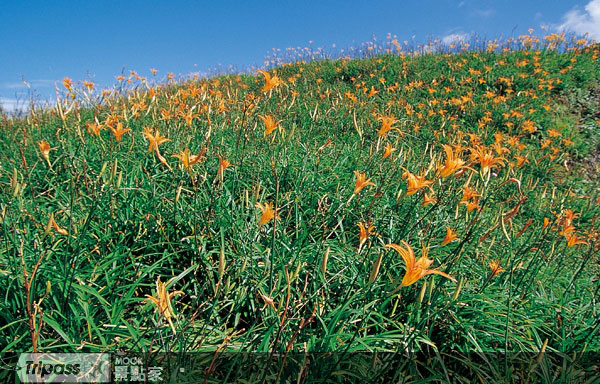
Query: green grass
(130, 219)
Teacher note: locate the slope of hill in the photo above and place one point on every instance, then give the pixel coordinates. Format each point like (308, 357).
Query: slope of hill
(441, 207)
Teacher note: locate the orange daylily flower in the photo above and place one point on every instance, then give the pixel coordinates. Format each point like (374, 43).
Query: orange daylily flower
(573, 239)
(500, 149)
(452, 164)
(187, 159)
(154, 139)
(268, 213)
(387, 152)
(475, 139)
(415, 269)
(415, 183)
(119, 131)
(223, 165)
(471, 205)
(366, 230)
(67, 83)
(270, 123)
(189, 117)
(529, 126)
(520, 161)
(361, 182)
(553, 133)
(89, 85)
(485, 159)
(545, 143)
(571, 236)
(469, 193)
(94, 128)
(165, 114)
(387, 123)
(112, 120)
(270, 82)
(428, 199)
(450, 237)
(568, 218)
(162, 301)
(546, 222)
(45, 150)
(495, 267)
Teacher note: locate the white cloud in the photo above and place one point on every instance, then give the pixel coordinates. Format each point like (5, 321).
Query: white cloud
(13, 105)
(455, 38)
(23, 104)
(483, 13)
(581, 22)
(39, 83)
(14, 86)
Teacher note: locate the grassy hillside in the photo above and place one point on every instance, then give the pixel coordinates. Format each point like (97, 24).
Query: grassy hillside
(440, 207)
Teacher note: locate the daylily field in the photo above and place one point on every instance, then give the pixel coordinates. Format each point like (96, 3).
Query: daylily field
(439, 206)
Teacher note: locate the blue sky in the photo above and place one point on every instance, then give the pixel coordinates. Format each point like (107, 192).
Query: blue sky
(45, 41)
